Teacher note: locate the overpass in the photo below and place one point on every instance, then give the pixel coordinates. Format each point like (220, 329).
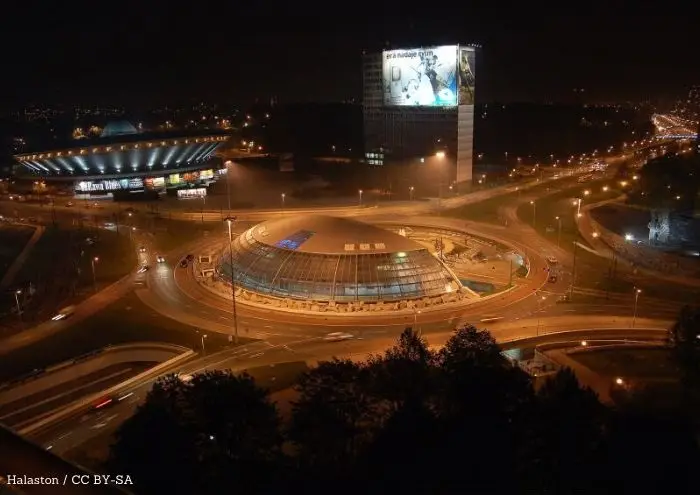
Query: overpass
(670, 126)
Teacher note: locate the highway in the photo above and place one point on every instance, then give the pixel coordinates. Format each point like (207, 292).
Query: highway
(74, 431)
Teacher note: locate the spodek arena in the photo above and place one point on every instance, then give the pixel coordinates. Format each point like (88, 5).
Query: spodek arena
(334, 264)
(123, 159)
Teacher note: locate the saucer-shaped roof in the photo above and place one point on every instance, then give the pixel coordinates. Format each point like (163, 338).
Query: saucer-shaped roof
(330, 235)
(320, 258)
(118, 128)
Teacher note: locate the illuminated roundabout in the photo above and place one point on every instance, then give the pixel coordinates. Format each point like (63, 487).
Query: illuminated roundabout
(313, 264)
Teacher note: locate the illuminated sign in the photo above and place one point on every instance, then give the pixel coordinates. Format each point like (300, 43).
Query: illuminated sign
(174, 179)
(135, 183)
(206, 174)
(467, 75)
(424, 77)
(198, 192)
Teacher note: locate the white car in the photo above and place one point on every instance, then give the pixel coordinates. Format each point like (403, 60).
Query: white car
(184, 377)
(338, 337)
(552, 260)
(160, 259)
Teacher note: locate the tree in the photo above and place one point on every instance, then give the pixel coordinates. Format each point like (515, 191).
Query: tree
(334, 415)
(684, 341)
(158, 440)
(406, 372)
(485, 403)
(216, 429)
(567, 429)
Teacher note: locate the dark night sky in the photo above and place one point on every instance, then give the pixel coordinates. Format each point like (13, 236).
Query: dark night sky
(153, 50)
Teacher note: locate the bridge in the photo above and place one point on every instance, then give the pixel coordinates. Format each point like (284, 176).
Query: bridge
(670, 126)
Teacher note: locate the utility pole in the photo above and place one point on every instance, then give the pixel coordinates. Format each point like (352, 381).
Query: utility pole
(229, 221)
(573, 274)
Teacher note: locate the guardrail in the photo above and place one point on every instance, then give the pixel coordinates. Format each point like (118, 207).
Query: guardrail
(80, 405)
(38, 374)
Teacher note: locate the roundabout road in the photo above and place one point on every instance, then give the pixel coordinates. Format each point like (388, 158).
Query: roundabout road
(175, 293)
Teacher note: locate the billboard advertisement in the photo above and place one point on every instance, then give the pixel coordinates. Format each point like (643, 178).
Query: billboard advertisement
(467, 75)
(421, 76)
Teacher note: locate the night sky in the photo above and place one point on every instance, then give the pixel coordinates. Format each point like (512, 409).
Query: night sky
(153, 51)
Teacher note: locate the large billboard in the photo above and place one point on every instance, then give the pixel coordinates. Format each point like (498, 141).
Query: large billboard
(424, 77)
(467, 75)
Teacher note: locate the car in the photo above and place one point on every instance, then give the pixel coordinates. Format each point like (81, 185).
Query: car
(69, 204)
(64, 313)
(552, 260)
(105, 401)
(338, 337)
(184, 377)
(142, 249)
(564, 298)
(143, 269)
(552, 278)
(160, 259)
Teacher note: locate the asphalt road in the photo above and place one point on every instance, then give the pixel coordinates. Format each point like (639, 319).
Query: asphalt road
(30, 408)
(266, 357)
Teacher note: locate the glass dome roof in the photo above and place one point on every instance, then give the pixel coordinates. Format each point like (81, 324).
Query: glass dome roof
(118, 128)
(333, 259)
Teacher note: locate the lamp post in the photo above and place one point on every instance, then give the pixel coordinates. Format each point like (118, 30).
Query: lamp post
(539, 313)
(360, 196)
(636, 300)
(283, 196)
(94, 279)
(534, 214)
(410, 193)
(131, 230)
(573, 273)
(204, 203)
(19, 308)
(558, 230)
(204, 336)
(229, 221)
(228, 184)
(416, 312)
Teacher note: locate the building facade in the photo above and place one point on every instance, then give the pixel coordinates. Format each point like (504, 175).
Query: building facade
(418, 104)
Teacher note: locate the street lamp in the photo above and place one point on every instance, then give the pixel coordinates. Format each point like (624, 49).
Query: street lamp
(229, 221)
(539, 313)
(577, 203)
(204, 336)
(416, 312)
(440, 155)
(228, 165)
(204, 203)
(558, 231)
(283, 195)
(94, 279)
(636, 300)
(410, 193)
(534, 214)
(132, 229)
(19, 308)
(360, 196)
